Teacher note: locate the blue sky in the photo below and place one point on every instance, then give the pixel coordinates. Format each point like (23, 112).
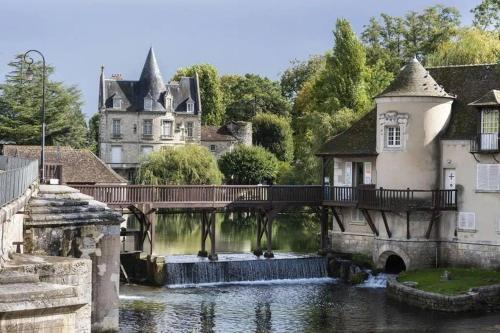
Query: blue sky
(237, 36)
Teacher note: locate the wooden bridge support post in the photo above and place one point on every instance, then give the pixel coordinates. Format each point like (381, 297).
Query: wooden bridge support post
(269, 233)
(213, 255)
(258, 248)
(203, 252)
(324, 246)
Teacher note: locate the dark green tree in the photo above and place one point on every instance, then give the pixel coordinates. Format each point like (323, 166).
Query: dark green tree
(210, 90)
(20, 109)
(93, 133)
(249, 165)
(185, 165)
(487, 15)
(245, 96)
(274, 133)
(299, 72)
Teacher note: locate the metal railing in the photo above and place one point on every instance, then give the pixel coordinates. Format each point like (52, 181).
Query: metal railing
(16, 175)
(485, 143)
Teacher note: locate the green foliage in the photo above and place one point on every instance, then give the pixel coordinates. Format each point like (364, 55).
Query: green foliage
(362, 260)
(245, 96)
(184, 165)
(462, 279)
(391, 40)
(275, 134)
(294, 77)
(212, 109)
(20, 109)
(249, 165)
(487, 15)
(93, 133)
(472, 46)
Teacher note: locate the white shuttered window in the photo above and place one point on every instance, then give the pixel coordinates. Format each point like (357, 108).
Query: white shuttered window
(488, 177)
(466, 221)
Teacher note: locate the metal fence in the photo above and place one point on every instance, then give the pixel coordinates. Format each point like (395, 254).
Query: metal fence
(16, 175)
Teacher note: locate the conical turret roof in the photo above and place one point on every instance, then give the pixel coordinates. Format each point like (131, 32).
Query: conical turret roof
(151, 81)
(414, 80)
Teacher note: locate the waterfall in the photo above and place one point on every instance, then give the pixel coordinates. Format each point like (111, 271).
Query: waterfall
(375, 281)
(251, 269)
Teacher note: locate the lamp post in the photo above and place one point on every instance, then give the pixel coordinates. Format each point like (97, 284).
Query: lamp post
(29, 76)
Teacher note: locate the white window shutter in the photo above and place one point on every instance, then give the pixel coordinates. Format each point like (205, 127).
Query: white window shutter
(338, 172)
(494, 177)
(348, 174)
(466, 221)
(482, 176)
(498, 225)
(368, 172)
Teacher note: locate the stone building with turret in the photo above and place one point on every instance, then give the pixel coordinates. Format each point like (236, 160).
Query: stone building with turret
(141, 116)
(416, 181)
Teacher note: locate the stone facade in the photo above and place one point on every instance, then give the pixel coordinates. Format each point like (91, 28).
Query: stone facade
(220, 140)
(63, 222)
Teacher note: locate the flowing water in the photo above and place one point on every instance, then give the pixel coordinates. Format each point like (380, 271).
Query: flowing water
(290, 293)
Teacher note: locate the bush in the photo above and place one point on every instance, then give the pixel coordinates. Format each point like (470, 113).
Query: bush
(184, 165)
(249, 165)
(274, 133)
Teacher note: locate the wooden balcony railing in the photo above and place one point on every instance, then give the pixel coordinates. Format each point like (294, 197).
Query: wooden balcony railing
(392, 200)
(206, 194)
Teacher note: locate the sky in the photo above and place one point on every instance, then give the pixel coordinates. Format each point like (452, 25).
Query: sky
(237, 36)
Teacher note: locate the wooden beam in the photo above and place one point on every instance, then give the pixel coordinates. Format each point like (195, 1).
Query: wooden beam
(431, 223)
(213, 254)
(389, 234)
(258, 249)
(203, 252)
(337, 218)
(408, 224)
(369, 221)
(324, 231)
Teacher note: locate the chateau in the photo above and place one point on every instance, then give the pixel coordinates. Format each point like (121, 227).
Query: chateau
(416, 181)
(138, 117)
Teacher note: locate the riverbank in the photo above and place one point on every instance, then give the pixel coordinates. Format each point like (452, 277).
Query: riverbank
(448, 289)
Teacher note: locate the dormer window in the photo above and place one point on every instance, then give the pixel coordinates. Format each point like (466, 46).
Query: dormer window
(148, 104)
(490, 128)
(190, 106)
(168, 102)
(117, 103)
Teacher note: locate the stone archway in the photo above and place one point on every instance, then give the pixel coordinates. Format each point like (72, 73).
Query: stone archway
(395, 253)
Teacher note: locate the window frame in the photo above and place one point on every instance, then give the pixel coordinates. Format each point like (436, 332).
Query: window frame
(490, 121)
(190, 107)
(395, 136)
(213, 148)
(144, 122)
(116, 131)
(117, 103)
(170, 134)
(148, 104)
(189, 129)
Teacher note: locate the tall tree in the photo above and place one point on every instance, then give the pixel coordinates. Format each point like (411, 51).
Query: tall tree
(294, 77)
(245, 96)
(472, 46)
(274, 133)
(210, 91)
(20, 109)
(487, 15)
(93, 133)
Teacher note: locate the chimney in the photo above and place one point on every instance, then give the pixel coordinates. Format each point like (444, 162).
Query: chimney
(116, 77)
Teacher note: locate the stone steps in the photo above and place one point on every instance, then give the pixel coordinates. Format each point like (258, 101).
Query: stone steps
(65, 209)
(44, 202)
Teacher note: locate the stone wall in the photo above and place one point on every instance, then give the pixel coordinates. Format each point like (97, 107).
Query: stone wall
(415, 253)
(482, 298)
(470, 254)
(352, 243)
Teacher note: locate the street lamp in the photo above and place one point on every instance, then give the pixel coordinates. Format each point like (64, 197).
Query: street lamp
(29, 76)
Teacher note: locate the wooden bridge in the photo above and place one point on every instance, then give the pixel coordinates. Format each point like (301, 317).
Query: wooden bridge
(267, 201)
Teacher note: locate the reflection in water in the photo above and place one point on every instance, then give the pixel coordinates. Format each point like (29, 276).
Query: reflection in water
(283, 308)
(235, 232)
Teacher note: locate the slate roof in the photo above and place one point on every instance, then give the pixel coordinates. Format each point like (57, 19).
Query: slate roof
(80, 166)
(215, 133)
(414, 80)
(359, 139)
(470, 84)
(491, 98)
(150, 83)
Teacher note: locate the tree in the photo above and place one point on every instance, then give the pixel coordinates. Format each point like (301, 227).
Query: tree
(245, 96)
(247, 165)
(274, 133)
(210, 91)
(487, 15)
(294, 77)
(20, 109)
(93, 133)
(472, 46)
(185, 165)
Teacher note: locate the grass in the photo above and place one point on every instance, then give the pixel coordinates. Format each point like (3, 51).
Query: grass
(462, 279)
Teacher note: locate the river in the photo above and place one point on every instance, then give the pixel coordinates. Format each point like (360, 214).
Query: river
(310, 305)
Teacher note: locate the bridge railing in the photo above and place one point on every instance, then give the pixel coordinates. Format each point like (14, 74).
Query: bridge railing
(129, 194)
(16, 175)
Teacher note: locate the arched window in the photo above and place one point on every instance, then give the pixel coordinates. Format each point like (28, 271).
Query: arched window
(190, 106)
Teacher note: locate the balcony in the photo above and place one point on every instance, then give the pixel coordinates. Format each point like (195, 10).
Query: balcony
(368, 197)
(147, 136)
(485, 143)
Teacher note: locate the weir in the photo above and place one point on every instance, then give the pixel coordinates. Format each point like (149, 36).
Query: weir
(187, 270)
